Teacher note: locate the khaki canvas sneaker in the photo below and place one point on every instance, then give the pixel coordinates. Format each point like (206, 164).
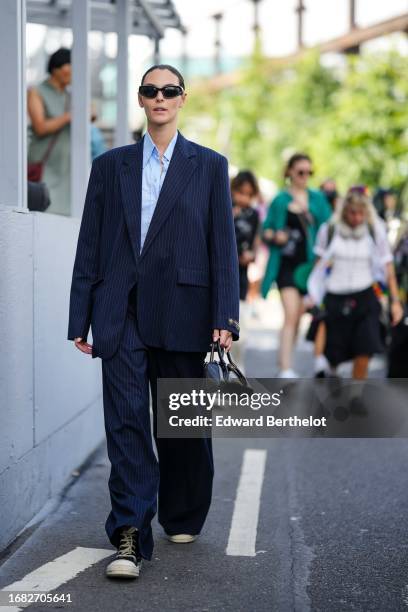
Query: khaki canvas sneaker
(128, 560)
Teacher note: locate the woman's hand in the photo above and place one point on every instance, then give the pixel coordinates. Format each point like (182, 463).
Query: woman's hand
(307, 303)
(225, 338)
(83, 346)
(268, 236)
(246, 258)
(397, 312)
(281, 237)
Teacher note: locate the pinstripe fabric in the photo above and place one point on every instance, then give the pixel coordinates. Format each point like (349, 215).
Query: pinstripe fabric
(184, 474)
(134, 477)
(186, 465)
(187, 271)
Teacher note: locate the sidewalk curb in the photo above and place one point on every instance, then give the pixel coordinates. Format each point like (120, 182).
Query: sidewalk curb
(51, 505)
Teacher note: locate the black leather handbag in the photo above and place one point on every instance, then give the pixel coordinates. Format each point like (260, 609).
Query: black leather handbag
(38, 196)
(220, 372)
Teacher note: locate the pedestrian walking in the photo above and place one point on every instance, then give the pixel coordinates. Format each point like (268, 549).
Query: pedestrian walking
(49, 151)
(355, 261)
(329, 188)
(386, 204)
(156, 278)
(244, 188)
(290, 228)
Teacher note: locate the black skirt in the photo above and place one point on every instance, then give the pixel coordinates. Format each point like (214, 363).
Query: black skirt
(353, 325)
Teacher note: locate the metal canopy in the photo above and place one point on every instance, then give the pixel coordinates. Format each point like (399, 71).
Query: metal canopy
(148, 17)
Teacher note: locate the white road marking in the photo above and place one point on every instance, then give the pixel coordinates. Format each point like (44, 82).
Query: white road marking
(244, 523)
(51, 575)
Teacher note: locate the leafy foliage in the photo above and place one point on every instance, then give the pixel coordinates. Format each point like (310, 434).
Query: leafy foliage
(352, 120)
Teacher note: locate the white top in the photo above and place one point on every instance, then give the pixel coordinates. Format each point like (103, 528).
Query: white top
(354, 264)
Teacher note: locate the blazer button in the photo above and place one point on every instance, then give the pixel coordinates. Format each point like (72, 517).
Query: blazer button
(234, 323)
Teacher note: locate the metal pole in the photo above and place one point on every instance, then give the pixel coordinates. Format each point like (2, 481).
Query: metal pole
(184, 54)
(13, 105)
(156, 55)
(352, 14)
(122, 134)
(80, 122)
(217, 55)
(300, 9)
(352, 23)
(256, 17)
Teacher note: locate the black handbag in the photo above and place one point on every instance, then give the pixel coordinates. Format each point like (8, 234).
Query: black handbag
(38, 196)
(219, 372)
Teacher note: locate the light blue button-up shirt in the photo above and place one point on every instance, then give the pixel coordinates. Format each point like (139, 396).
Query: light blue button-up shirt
(154, 172)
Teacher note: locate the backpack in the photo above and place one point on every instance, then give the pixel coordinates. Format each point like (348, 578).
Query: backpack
(332, 227)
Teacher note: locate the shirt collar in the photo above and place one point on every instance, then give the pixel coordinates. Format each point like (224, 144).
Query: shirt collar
(149, 148)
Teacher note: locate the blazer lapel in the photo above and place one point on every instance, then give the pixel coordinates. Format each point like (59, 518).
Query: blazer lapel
(181, 167)
(131, 190)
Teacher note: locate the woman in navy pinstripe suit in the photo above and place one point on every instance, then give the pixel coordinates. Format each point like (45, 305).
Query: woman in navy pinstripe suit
(156, 278)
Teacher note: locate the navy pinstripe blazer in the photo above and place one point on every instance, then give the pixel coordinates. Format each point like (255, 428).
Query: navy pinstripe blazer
(187, 272)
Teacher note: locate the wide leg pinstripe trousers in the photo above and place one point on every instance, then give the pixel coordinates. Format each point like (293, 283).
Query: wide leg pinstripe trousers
(183, 476)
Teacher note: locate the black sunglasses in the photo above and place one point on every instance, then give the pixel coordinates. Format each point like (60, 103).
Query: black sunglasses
(168, 91)
(304, 172)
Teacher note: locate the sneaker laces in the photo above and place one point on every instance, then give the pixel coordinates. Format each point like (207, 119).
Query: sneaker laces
(127, 545)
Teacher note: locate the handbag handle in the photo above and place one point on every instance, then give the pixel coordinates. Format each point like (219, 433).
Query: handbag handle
(220, 351)
(230, 367)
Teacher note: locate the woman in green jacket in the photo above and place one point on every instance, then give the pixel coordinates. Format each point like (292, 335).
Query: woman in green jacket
(290, 229)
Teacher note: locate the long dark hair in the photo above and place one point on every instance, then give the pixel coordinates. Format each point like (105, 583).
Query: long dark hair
(294, 159)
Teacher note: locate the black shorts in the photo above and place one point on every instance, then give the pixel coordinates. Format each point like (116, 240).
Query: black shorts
(285, 274)
(353, 325)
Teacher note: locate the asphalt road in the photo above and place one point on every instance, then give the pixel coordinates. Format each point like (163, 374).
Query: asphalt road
(331, 532)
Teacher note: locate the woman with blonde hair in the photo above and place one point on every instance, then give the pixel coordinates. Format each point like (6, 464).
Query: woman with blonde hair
(355, 258)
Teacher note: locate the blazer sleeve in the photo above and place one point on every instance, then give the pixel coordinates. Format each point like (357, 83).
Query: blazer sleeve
(223, 254)
(87, 258)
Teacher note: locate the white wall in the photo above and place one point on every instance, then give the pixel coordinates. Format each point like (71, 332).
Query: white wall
(51, 415)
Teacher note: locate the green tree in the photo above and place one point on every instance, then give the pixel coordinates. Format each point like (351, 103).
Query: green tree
(353, 121)
(367, 135)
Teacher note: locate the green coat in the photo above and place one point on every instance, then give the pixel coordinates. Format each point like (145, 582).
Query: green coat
(277, 218)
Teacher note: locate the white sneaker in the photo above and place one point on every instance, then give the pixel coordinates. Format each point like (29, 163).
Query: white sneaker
(321, 366)
(289, 373)
(128, 559)
(181, 538)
